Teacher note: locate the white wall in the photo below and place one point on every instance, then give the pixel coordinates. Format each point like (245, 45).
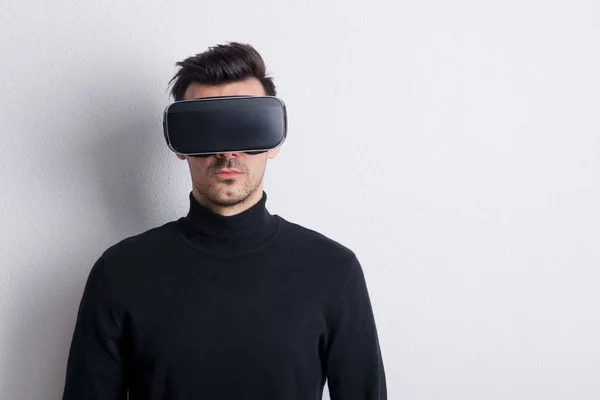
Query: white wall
(454, 146)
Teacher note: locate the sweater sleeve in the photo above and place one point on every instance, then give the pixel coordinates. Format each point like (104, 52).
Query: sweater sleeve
(354, 363)
(95, 369)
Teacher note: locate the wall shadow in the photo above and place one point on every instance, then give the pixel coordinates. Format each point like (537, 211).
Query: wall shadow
(120, 153)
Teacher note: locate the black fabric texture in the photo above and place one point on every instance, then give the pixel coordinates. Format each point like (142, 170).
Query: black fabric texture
(208, 307)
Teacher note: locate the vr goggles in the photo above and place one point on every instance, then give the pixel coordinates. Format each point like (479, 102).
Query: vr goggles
(211, 125)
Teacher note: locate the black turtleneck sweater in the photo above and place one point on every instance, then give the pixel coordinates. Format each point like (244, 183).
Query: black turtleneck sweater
(208, 307)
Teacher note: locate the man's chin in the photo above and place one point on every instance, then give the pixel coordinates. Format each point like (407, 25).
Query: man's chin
(227, 198)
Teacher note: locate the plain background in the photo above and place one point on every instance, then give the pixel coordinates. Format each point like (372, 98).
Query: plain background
(453, 145)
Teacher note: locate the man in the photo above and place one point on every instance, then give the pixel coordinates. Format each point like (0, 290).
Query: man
(230, 301)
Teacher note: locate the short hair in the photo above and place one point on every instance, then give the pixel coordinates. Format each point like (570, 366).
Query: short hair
(223, 63)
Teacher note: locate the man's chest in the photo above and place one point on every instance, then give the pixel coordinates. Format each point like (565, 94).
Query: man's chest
(220, 317)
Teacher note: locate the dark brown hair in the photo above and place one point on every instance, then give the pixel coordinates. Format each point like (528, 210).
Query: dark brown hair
(223, 63)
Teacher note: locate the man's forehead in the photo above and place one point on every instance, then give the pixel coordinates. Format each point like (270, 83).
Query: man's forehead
(248, 87)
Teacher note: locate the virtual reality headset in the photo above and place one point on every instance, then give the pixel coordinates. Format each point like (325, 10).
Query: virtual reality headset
(206, 126)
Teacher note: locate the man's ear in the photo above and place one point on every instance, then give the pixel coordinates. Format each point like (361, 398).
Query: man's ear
(273, 153)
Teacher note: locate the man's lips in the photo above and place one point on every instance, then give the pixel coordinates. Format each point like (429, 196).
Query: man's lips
(227, 173)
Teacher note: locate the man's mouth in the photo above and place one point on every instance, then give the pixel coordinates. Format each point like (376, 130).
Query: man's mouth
(227, 173)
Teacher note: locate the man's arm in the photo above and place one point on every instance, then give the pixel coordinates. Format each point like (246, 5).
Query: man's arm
(95, 369)
(354, 363)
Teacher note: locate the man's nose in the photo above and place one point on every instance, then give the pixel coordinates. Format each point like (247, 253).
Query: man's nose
(228, 155)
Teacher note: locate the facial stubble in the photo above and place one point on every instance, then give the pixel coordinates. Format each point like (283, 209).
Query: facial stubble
(228, 192)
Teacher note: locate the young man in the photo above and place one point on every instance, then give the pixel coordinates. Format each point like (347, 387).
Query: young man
(229, 302)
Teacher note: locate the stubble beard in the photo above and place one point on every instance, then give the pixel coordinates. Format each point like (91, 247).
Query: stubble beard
(229, 192)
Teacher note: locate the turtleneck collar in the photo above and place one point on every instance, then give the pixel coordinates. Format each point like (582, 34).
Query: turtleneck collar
(229, 235)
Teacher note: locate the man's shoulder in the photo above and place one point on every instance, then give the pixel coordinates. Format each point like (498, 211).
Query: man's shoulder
(146, 242)
(313, 241)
